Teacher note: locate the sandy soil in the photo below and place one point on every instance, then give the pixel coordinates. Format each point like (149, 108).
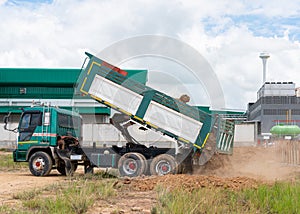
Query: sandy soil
(14, 182)
(254, 162)
(247, 167)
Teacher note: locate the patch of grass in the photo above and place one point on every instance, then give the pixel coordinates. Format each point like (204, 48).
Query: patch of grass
(26, 195)
(53, 187)
(278, 198)
(204, 200)
(66, 202)
(11, 210)
(4, 209)
(282, 197)
(74, 195)
(7, 163)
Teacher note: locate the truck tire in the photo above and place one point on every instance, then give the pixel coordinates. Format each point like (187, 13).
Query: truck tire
(163, 164)
(132, 164)
(146, 170)
(40, 164)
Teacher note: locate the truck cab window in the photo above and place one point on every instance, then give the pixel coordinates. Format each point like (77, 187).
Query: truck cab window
(25, 121)
(29, 121)
(35, 119)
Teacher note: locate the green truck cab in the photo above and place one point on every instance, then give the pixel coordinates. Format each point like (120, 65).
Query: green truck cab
(40, 130)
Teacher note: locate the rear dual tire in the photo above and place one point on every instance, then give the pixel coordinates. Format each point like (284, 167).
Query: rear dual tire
(163, 164)
(135, 164)
(132, 164)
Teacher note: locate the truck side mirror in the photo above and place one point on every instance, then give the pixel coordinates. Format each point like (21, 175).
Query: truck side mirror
(5, 120)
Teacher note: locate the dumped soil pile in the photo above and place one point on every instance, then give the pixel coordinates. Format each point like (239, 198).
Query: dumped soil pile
(187, 182)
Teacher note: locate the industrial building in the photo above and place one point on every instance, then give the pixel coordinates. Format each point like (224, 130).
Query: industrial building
(277, 102)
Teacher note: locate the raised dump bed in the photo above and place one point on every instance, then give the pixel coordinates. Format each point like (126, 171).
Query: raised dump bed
(110, 86)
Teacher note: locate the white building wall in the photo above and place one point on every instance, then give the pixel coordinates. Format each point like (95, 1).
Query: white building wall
(8, 139)
(245, 135)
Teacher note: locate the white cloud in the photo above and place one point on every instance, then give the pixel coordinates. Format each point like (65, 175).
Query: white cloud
(57, 34)
(2, 2)
(234, 55)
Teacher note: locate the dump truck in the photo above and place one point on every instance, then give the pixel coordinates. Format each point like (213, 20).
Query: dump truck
(51, 138)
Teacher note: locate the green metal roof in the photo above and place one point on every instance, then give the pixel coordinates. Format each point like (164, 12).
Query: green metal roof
(46, 83)
(38, 76)
(56, 76)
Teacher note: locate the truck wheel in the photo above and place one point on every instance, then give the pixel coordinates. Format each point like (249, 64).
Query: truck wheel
(163, 164)
(40, 164)
(145, 162)
(131, 164)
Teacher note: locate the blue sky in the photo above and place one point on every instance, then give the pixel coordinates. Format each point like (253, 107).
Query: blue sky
(265, 26)
(230, 34)
(259, 25)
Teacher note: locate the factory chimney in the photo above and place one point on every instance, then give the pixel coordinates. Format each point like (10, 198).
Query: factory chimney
(264, 56)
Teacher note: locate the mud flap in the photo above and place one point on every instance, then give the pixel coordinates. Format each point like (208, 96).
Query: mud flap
(69, 166)
(88, 169)
(210, 147)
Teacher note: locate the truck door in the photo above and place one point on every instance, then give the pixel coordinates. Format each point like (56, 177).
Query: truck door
(28, 123)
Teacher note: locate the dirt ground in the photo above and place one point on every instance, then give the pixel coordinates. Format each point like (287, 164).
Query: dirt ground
(247, 167)
(260, 163)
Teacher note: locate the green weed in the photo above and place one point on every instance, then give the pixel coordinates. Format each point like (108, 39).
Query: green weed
(4, 209)
(7, 163)
(278, 198)
(282, 197)
(26, 195)
(75, 195)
